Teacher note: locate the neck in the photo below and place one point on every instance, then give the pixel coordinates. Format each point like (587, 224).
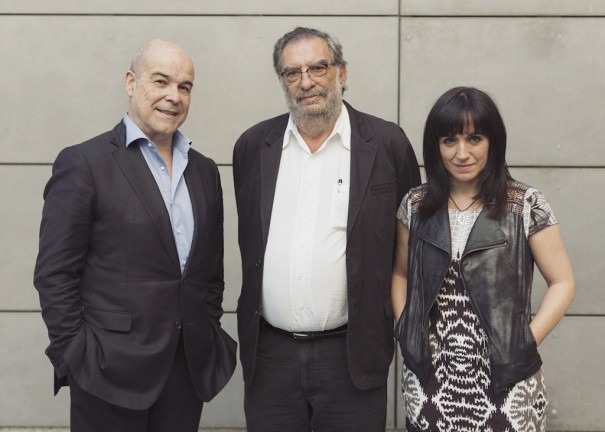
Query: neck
(165, 152)
(464, 198)
(315, 131)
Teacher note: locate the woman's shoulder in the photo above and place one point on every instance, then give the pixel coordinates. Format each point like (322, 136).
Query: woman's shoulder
(517, 192)
(417, 194)
(515, 188)
(523, 198)
(415, 197)
(410, 203)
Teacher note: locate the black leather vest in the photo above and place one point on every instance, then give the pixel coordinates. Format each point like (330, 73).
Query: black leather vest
(497, 272)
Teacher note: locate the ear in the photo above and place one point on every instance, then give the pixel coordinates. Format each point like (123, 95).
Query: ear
(343, 74)
(130, 81)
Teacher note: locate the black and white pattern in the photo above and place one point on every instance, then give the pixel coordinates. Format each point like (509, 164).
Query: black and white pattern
(458, 396)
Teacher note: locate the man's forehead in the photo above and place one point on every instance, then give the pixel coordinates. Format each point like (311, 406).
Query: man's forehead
(309, 42)
(169, 67)
(311, 49)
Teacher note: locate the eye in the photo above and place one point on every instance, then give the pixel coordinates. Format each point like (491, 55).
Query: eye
(185, 89)
(290, 73)
(447, 140)
(161, 82)
(476, 139)
(318, 68)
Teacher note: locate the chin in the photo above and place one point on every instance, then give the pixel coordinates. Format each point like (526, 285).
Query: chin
(314, 109)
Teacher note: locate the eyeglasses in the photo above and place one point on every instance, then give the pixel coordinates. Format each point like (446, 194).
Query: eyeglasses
(315, 72)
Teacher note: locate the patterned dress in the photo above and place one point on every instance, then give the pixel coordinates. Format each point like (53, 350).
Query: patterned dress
(458, 396)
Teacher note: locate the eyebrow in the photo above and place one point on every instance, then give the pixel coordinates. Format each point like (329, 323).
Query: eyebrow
(321, 62)
(163, 75)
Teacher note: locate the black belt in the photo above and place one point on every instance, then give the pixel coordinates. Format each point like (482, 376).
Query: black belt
(305, 336)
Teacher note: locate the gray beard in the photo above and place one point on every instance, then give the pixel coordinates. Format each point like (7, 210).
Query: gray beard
(315, 123)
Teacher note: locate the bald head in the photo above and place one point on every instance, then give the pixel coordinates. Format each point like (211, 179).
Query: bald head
(156, 47)
(159, 85)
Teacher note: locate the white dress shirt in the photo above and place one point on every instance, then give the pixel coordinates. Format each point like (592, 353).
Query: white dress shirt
(304, 278)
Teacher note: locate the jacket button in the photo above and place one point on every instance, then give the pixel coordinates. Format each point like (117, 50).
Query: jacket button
(179, 324)
(258, 263)
(256, 314)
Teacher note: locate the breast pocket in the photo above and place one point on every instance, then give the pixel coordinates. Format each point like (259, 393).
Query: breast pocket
(339, 209)
(382, 188)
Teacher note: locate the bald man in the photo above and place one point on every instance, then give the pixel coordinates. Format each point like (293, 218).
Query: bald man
(130, 265)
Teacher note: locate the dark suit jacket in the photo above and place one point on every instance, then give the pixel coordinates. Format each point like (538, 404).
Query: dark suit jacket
(111, 289)
(383, 169)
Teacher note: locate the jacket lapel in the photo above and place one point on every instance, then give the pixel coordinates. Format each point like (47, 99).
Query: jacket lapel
(135, 169)
(363, 154)
(432, 231)
(486, 232)
(198, 197)
(270, 157)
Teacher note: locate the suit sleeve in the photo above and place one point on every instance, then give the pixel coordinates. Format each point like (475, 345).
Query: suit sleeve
(408, 171)
(67, 218)
(236, 166)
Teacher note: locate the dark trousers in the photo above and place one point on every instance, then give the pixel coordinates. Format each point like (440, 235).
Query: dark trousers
(303, 386)
(177, 409)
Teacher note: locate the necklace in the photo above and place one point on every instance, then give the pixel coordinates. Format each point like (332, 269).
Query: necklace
(467, 207)
(461, 215)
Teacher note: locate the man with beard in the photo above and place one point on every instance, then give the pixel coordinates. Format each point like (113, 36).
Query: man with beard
(317, 192)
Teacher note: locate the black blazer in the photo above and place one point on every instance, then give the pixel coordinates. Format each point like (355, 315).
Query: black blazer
(383, 169)
(111, 289)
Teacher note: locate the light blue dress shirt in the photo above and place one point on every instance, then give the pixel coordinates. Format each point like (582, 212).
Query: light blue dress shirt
(174, 190)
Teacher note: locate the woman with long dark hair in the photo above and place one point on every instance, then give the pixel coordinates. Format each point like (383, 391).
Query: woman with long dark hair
(461, 288)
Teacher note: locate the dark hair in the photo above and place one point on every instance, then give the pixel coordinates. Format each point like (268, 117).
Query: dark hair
(298, 33)
(452, 114)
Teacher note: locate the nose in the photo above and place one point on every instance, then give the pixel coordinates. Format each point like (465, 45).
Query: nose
(305, 80)
(173, 94)
(462, 150)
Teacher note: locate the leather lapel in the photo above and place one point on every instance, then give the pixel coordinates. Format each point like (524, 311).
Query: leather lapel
(135, 169)
(270, 156)
(485, 233)
(363, 154)
(436, 230)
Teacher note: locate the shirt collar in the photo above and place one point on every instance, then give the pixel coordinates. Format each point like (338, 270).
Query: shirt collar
(133, 133)
(342, 128)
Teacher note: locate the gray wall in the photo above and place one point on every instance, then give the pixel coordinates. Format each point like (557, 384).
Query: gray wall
(62, 65)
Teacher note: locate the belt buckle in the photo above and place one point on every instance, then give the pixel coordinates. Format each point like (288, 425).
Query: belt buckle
(302, 336)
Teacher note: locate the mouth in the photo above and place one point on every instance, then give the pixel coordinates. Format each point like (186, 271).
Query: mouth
(168, 112)
(309, 97)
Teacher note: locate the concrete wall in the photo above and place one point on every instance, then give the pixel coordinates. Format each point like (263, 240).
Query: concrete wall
(62, 64)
